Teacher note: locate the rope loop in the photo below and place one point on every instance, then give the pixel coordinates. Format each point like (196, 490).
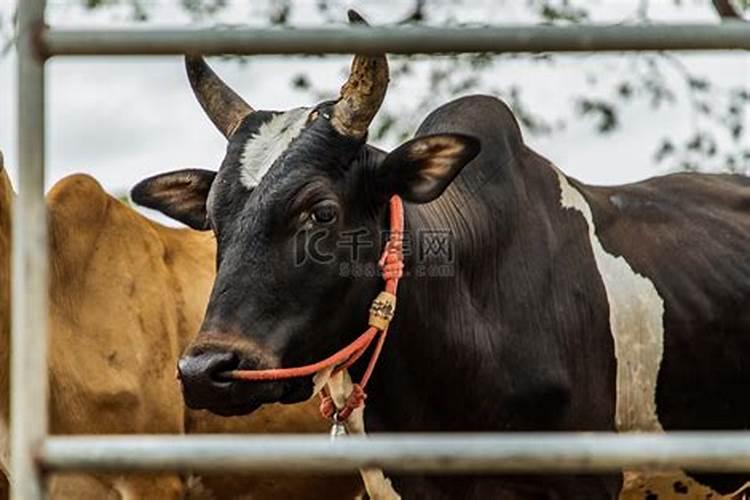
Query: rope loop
(327, 407)
(354, 401)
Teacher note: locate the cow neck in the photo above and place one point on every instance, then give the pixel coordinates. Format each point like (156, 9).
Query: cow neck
(381, 313)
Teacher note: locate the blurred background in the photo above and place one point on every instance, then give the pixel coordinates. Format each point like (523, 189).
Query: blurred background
(604, 119)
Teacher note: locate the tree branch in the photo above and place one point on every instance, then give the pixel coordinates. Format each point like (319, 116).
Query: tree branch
(727, 10)
(416, 15)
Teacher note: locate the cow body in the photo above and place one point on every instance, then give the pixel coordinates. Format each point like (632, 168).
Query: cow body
(539, 302)
(126, 296)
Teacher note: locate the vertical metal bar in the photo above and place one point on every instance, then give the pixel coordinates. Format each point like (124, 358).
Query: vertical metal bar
(29, 266)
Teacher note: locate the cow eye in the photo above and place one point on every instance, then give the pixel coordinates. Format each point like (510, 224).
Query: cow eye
(324, 213)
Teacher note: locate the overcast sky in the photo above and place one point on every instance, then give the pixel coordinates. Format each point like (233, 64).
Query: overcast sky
(122, 119)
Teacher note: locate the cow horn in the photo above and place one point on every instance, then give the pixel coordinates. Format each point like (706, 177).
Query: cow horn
(363, 93)
(223, 106)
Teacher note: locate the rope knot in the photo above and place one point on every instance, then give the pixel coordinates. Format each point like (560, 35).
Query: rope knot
(355, 400)
(327, 408)
(393, 271)
(392, 261)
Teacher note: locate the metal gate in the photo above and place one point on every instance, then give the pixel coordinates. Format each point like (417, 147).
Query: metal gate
(35, 453)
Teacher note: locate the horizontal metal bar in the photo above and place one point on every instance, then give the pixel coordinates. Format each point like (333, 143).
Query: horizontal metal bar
(465, 453)
(401, 40)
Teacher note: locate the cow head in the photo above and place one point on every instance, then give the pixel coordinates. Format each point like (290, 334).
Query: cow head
(293, 192)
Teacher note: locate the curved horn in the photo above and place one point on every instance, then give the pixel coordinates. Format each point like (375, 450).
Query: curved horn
(363, 93)
(223, 106)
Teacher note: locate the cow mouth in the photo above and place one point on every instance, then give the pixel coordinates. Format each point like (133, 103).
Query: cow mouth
(224, 405)
(232, 398)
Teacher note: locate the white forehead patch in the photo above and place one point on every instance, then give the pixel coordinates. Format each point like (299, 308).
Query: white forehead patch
(636, 314)
(268, 143)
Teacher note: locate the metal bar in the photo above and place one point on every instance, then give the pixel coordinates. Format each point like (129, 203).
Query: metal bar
(403, 40)
(29, 266)
(436, 453)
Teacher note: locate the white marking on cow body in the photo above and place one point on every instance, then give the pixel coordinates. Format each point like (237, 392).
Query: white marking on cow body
(636, 314)
(268, 143)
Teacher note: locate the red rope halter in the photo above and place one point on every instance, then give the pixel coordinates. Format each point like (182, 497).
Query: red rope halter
(382, 310)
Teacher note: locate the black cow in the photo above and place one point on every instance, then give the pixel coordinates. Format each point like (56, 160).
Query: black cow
(555, 305)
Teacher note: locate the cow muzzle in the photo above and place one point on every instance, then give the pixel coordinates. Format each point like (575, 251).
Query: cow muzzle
(205, 386)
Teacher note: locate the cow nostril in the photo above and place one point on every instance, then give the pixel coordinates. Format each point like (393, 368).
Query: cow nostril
(220, 372)
(207, 367)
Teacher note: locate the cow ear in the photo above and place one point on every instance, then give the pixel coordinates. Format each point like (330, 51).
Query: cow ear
(421, 169)
(181, 195)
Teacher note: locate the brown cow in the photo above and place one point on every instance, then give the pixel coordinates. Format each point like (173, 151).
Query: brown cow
(126, 296)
